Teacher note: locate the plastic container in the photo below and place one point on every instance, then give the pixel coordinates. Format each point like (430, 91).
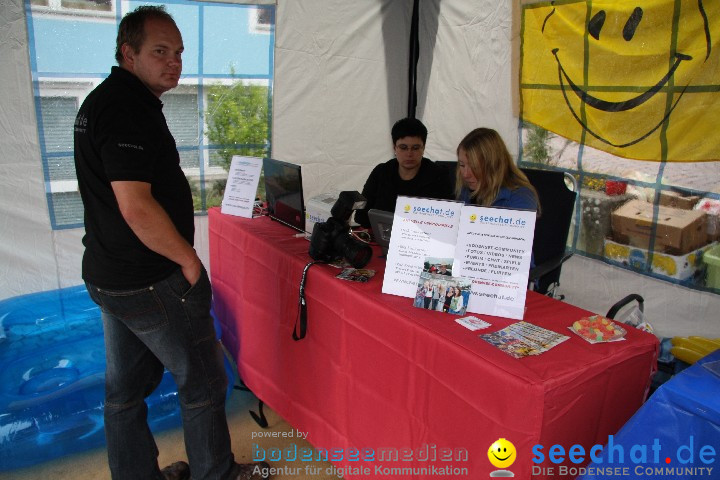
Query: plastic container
(712, 260)
(52, 379)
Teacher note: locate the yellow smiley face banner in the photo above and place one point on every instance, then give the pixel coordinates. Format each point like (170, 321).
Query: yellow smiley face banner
(639, 79)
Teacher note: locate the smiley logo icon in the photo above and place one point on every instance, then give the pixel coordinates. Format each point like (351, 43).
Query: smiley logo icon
(407, 208)
(473, 217)
(502, 453)
(636, 79)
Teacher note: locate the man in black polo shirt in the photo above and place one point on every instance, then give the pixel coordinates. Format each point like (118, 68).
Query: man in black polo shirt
(139, 263)
(408, 174)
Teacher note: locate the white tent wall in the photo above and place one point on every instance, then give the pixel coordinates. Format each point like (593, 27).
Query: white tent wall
(340, 83)
(671, 309)
(338, 88)
(468, 73)
(30, 259)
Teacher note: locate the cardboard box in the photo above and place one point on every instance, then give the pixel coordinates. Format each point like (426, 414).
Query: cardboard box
(679, 267)
(678, 231)
(675, 200)
(318, 209)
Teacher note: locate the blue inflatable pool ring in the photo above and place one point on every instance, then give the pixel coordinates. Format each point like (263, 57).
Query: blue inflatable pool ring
(52, 379)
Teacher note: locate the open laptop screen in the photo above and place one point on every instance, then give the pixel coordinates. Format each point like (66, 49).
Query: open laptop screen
(284, 193)
(381, 222)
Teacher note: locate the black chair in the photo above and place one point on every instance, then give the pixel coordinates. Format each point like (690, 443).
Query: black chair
(449, 168)
(552, 227)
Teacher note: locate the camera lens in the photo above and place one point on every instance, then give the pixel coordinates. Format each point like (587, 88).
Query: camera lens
(357, 253)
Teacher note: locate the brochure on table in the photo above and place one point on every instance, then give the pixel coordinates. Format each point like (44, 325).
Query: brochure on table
(421, 228)
(491, 246)
(241, 186)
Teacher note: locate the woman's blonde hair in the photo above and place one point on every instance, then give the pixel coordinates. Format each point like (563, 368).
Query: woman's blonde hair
(492, 165)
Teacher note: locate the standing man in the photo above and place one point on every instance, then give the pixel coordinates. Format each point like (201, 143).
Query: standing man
(409, 173)
(139, 263)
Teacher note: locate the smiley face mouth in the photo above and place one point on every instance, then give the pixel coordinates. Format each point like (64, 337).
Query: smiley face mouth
(622, 106)
(502, 459)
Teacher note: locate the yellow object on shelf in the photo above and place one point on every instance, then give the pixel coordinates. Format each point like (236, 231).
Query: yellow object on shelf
(712, 260)
(691, 349)
(686, 355)
(709, 343)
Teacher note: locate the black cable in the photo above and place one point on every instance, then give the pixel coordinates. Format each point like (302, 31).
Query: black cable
(302, 305)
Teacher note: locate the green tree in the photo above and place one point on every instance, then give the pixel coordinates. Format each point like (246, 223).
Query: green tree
(237, 120)
(536, 146)
(237, 124)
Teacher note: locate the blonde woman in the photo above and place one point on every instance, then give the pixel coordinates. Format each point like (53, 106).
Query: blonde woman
(487, 175)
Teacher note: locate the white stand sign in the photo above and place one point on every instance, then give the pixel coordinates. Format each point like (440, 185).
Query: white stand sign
(242, 183)
(421, 228)
(494, 247)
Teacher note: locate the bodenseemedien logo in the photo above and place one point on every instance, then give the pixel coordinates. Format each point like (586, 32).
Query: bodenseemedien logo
(502, 454)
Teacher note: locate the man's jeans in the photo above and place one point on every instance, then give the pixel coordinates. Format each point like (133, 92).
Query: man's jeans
(166, 325)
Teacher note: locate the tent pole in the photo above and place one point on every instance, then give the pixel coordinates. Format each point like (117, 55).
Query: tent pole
(414, 56)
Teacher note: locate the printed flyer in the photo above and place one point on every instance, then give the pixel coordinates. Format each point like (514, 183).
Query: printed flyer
(494, 247)
(242, 183)
(421, 228)
(522, 339)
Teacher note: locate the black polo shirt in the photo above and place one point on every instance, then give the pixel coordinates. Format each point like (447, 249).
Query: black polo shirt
(384, 185)
(121, 134)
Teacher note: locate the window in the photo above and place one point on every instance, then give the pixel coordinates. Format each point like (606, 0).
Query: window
(608, 182)
(262, 20)
(220, 108)
(611, 88)
(76, 8)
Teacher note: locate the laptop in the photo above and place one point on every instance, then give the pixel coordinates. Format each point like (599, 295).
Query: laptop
(284, 193)
(381, 223)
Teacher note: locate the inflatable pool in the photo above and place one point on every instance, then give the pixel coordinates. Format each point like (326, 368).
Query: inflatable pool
(52, 374)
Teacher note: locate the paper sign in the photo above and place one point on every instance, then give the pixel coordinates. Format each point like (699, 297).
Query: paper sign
(421, 228)
(241, 186)
(494, 247)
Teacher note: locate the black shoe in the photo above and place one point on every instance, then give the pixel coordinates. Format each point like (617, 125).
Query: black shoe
(176, 471)
(251, 471)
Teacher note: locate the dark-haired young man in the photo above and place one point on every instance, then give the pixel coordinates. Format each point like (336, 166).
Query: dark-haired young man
(139, 263)
(409, 173)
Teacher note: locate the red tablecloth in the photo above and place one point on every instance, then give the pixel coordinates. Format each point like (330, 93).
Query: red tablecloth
(377, 374)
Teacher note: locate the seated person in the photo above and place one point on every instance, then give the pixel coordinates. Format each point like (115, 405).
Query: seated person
(409, 173)
(487, 175)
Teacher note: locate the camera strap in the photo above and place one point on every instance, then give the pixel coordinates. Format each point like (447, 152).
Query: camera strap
(302, 306)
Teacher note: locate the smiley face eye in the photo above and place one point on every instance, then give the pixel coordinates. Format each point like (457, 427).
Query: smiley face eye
(596, 23)
(632, 24)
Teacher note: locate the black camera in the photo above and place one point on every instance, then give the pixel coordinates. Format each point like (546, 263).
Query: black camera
(331, 240)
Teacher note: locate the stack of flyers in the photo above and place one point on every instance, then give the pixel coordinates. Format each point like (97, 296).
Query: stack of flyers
(522, 339)
(356, 274)
(472, 323)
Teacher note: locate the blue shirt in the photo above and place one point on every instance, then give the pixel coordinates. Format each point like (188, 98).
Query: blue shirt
(521, 198)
